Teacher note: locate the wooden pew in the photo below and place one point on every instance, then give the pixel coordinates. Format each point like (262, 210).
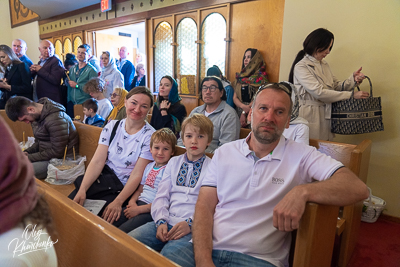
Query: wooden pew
(78, 111)
(87, 240)
(17, 127)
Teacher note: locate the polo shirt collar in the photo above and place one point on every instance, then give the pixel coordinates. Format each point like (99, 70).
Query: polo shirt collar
(277, 153)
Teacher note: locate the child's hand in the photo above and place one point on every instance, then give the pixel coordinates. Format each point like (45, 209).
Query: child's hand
(162, 232)
(131, 211)
(179, 230)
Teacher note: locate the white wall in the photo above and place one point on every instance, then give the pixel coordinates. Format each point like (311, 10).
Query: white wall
(28, 32)
(367, 34)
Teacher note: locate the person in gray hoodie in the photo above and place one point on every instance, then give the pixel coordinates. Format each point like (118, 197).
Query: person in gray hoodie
(224, 117)
(52, 128)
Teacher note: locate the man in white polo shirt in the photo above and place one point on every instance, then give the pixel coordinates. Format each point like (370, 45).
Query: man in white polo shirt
(256, 190)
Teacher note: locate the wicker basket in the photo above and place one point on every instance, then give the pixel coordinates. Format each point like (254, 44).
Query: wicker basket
(373, 206)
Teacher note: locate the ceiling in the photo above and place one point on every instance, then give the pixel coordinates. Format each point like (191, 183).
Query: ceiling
(49, 8)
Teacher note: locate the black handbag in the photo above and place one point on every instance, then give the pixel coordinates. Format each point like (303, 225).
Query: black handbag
(357, 116)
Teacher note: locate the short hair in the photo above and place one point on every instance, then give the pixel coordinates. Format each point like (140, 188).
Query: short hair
(86, 47)
(218, 81)
(95, 84)
(16, 107)
(282, 87)
(91, 103)
(141, 90)
(204, 124)
(138, 67)
(10, 53)
(165, 135)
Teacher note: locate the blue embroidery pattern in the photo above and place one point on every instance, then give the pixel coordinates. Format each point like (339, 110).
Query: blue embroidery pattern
(197, 166)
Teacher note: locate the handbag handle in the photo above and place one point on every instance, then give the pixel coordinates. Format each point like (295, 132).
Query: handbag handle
(370, 86)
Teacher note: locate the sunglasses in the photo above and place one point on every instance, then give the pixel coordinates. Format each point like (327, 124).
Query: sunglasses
(282, 85)
(114, 95)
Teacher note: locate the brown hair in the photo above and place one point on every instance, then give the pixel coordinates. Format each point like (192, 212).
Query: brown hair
(164, 135)
(95, 84)
(141, 90)
(204, 124)
(40, 216)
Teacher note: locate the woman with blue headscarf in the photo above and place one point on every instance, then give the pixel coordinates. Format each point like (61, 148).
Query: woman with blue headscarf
(110, 74)
(168, 112)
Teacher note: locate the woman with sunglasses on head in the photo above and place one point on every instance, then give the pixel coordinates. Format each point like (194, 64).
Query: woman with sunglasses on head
(121, 156)
(17, 78)
(168, 112)
(251, 77)
(118, 101)
(110, 74)
(317, 86)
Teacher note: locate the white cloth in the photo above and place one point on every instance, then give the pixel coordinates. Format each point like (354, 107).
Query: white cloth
(125, 149)
(298, 131)
(318, 88)
(248, 191)
(10, 239)
(175, 203)
(105, 108)
(112, 76)
(150, 184)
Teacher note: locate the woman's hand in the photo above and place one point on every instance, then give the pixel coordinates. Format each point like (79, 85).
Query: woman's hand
(179, 230)
(112, 212)
(246, 108)
(360, 95)
(243, 120)
(80, 197)
(165, 104)
(4, 84)
(358, 76)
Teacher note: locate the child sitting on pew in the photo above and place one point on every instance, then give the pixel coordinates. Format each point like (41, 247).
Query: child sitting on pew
(137, 213)
(90, 107)
(173, 207)
(95, 88)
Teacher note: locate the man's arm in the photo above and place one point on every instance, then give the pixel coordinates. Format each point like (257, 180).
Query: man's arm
(343, 188)
(52, 72)
(203, 226)
(230, 129)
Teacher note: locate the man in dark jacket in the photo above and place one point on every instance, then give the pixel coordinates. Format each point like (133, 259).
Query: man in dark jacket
(52, 128)
(47, 73)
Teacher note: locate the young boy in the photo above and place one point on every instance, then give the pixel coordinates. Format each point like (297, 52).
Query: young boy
(90, 107)
(95, 87)
(173, 207)
(137, 213)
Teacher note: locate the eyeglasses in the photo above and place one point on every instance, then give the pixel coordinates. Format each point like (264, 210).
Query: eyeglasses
(114, 95)
(212, 88)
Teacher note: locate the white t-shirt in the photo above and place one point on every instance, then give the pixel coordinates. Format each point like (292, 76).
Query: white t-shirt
(248, 191)
(298, 131)
(125, 149)
(105, 108)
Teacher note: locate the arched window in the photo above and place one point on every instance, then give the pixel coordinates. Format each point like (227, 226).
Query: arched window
(186, 55)
(77, 43)
(213, 33)
(67, 46)
(162, 52)
(58, 49)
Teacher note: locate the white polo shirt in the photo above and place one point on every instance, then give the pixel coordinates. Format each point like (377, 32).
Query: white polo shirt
(248, 191)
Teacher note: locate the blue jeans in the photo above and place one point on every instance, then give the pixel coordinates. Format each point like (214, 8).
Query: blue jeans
(221, 258)
(147, 235)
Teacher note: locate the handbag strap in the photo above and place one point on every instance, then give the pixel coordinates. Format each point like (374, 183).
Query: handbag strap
(370, 86)
(114, 131)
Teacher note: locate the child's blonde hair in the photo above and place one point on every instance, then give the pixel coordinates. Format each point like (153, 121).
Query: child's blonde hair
(164, 135)
(204, 124)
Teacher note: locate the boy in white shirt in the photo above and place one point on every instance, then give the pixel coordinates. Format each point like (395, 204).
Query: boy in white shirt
(95, 88)
(173, 207)
(137, 213)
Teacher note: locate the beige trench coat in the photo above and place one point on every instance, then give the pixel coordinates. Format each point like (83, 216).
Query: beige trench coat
(318, 88)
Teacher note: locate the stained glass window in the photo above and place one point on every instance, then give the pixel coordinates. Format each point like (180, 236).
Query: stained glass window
(77, 43)
(58, 49)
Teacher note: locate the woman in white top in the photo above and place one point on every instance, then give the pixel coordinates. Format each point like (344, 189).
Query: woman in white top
(110, 74)
(127, 155)
(317, 86)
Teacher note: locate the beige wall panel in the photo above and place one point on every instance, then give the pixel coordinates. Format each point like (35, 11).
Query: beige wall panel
(256, 24)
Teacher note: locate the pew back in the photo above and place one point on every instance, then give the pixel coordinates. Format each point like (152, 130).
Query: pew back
(18, 127)
(87, 240)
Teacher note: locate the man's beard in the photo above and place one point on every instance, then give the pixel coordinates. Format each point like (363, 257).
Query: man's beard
(265, 137)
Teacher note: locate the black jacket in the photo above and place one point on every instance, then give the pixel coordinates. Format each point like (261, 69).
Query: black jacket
(19, 79)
